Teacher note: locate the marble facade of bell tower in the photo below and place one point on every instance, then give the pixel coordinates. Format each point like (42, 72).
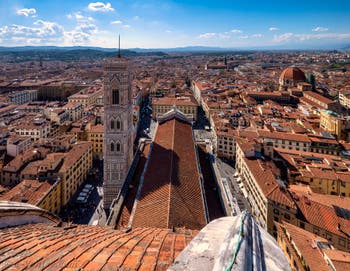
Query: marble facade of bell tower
(118, 127)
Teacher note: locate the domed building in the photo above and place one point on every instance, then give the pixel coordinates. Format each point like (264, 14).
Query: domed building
(290, 77)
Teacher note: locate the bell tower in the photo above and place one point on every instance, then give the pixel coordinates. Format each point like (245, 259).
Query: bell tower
(118, 126)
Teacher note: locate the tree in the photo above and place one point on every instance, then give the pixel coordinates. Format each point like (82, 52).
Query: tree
(311, 80)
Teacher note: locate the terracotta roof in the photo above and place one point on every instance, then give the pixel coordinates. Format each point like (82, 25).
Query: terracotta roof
(283, 136)
(29, 191)
(96, 128)
(293, 73)
(189, 101)
(268, 183)
(324, 216)
(75, 154)
(318, 97)
(50, 247)
(325, 199)
(171, 195)
(304, 242)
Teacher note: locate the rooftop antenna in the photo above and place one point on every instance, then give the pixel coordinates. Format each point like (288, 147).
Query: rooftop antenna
(119, 47)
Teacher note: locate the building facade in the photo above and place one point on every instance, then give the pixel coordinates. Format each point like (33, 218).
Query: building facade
(118, 127)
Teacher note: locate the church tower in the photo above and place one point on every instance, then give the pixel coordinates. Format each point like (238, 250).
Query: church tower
(118, 127)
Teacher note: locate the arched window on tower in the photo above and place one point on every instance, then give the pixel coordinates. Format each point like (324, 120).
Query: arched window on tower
(112, 124)
(119, 125)
(112, 147)
(118, 147)
(115, 96)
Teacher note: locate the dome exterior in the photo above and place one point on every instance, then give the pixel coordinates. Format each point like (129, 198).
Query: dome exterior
(293, 74)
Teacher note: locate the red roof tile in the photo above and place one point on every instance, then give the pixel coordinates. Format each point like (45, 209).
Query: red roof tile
(171, 194)
(47, 247)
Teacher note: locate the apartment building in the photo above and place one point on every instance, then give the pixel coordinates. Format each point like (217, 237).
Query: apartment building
(36, 129)
(17, 144)
(86, 97)
(226, 146)
(75, 168)
(44, 194)
(265, 191)
(308, 251)
(95, 135)
(75, 110)
(299, 142)
(327, 174)
(25, 96)
(186, 105)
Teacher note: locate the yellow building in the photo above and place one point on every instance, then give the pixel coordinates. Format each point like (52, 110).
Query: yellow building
(186, 105)
(324, 215)
(95, 135)
(86, 97)
(333, 123)
(327, 174)
(75, 168)
(344, 99)
(308, 251)
(266, 194)
(226, 146)
(44, 194)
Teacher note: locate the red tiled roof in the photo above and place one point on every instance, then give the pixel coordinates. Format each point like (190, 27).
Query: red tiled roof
(304, 242)
(48, 247)
(171, 194)
(29, 191)
(268, 183)
(323, 216)
(293, 73)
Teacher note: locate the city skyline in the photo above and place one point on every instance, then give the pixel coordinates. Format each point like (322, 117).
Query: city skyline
(164, 24)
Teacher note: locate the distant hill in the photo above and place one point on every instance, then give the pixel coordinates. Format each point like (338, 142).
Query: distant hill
(180, 49)
(46, 53)
(51, 48)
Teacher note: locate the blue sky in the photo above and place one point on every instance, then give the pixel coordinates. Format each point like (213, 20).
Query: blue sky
(160, 24)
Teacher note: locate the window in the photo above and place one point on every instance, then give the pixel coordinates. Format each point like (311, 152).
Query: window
(112, 146)
(118, 124)
(115, 96)
(112, 124)
(287, 216)
(118, 146)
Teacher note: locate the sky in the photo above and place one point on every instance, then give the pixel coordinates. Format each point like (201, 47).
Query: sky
(167, 24)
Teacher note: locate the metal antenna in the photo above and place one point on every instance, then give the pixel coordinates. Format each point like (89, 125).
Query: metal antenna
(119, 48)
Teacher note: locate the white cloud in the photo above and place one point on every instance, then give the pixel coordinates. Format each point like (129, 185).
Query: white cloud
(283, 37)
(287, 37)
(243, 37)
(207, 36)
(79, 17)
(49, 33)
(41, 32)
(257, 36)
(168, 31)
(99, 6)
(26, 12)
(117, 22)
(320, 29)
(273, 28)
(127, 26)
(136, 18)
(236, 31)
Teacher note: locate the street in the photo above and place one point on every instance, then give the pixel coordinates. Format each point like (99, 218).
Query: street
(227, 171)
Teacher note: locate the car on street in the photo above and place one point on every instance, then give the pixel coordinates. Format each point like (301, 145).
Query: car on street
(81, 199)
